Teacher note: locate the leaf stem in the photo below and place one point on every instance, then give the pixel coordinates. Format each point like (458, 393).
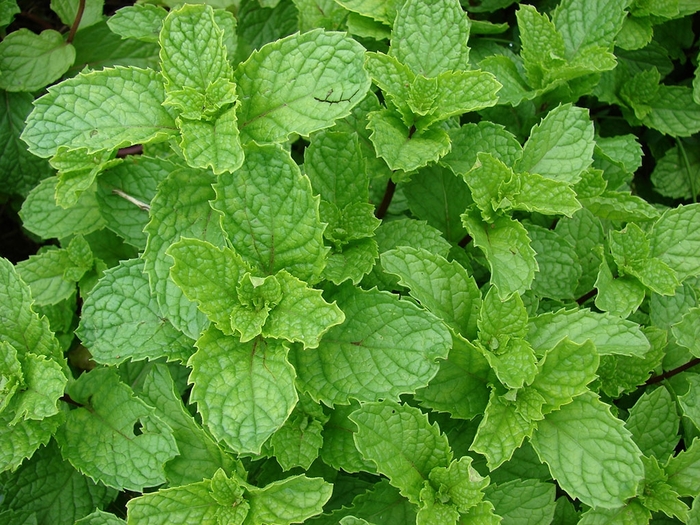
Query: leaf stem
(464, 241)
(670, 373)
(133, 200)
(67, 399)
(130, 150)
(585, 297)
(386, 200)
(76, 22)
(691, 182)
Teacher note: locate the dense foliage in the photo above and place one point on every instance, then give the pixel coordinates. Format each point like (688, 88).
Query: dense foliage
(351, 261)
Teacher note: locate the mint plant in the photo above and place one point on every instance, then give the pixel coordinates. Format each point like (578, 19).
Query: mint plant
(356, 262)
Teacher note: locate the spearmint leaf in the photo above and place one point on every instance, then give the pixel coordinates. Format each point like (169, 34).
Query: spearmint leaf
(208, 276)
(377, 9)
(339, 450)
(564, 372)
(29, 61)
(373, 354)
(618, 296)
(8, 10)
(559, 269)
(268, 233)
(291, 500)
(320, 13)
(609, 334)
(523, 501)
(471, 139)
(620, 206)
(431, 38)
(438, 197)
(673, 111)
(584, 24)
(354, 262)
(43, 384)
(196, 502)
(492, 186)
(301, 315)
(51, 488)
(68, 9)
(543, 47)
(396, 80)
(142, 22)
(403, 444)
(42, 216)
(461, 385)
(21, 170)
(298, 442)
(501, 319)
(675, 240)
(402, 149)
(21, 440)
(180, 208)
(244, 391)
(10, 374)
(114, 437)
(100, 110)
(589, 452)
(654, 423)
(544, 195)
(658, 496)
(200, 456)
(683, 470)
(460, 482)
(584, 232)
(212, 144)
(672, 177)
(632, 512)
(273, 105)
(506, 245)
(44, 273)
(100, 518)
(77, 171)
(501, 432)
(442, 287)
(561, 146)
(686, 331)
(122, 320)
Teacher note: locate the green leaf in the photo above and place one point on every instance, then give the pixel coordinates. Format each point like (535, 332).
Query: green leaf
(21, 440)
(199, 455)
(100, 110)
(403, 444)
(42, 216)
(354, 262)
(208, 276)
(298, 442)
(44, 273)
(673, 111)
(683, 470)
(584, 24)
(589, 452)
(561, 146)
(675, 240)
(43, 383)
(459, 482)
(268, 233)
(506, 245)
(212, 144)
(618, 296)
(564, 372)
(77, 171)
(632, 512)
(584, 232)
(654, 423)
(11, 376)
(122, 320)
(442, 287)
(431, 38)
(672, 177)
(8, 10)
(273, 105)
(620, 206)
(527, 501)
(291, 500)
(402, 149)
(471, 139)
(67, 11)
(339, 450)
(51, 488)
(100, 518)
(244, 391)
(105, 427)
(609, 334)
(180, 208)
(658, 496)
(378, 10)
(398, 82)
(141, 22)
(29, 61)
(689, 400)
(557, 260)
(384, 348)
(543, 47)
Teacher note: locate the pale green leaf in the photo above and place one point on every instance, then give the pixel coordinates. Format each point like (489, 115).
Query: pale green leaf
(199, 455)
(244, 391)
(212, 144)
(654, 423)
(540, 194)
(180, 208)
(100, 110)
(339, 450)
(561, 146)
(501, 319)
(142, 22)
(43, 384)
(689, 401)
(121, 320)
(274, 105)
(433, 511)
(67, 11)
(298, 442)
(620, 206)
(589, 452)
(584, 24)
(683, 470)
(8, 10)
(42, 216)
(291, 500)
(402, 148)
(380, 10)
(619, 296)
(396, 81)
(100, 518)
(658, 496)
(99, 438)
(29, 61)
(543, 47)
(523, 502)
(442, 287)
(353, 262)
(320, 13)
(263, 228)
(584, 232)
(633, 513)
(622, 150)
(564, 372)
(208, 276)
(403, 444)
(665, 311)
(51, 488)
(609, 334)
(431, 37)
(77, 170)
(302, 315)
(672, 177)
(513, 360)
(44, 273)
(10, 374)
(506, 245)
(384, 348)
(675, 239)
(673, 111)
(557, 260)
(460, 482)
(20, 441)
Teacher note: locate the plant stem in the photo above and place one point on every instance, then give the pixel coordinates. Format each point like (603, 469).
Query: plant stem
(76, 22)
(130, 150)
(691, 181)
(386, 200)
(670, 373)
(464, 241)
(585, 297)
(132, 200)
